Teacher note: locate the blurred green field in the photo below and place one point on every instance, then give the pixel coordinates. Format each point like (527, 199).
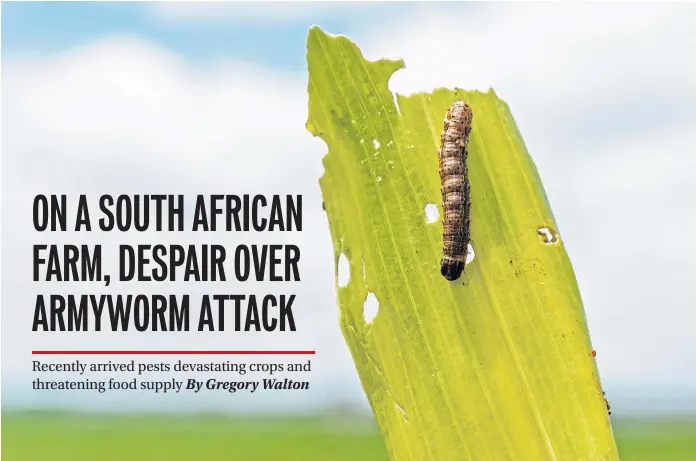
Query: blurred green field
(58, 437)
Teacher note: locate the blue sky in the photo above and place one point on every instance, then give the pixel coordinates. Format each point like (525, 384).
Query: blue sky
(49, 27)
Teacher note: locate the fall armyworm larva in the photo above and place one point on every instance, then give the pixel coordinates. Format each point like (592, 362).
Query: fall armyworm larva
(456, 200)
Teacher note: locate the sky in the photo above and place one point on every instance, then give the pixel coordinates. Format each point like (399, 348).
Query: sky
(164, 97)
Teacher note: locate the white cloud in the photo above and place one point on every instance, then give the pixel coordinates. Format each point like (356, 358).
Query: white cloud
(605, 97)
(120, 97)
(570, 60)
(124, 116)
(257, 13)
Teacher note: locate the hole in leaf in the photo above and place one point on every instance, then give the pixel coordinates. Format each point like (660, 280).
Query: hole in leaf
(343, 271)
(431, 213)
(470, 255)
(370, 307)
(375, 143)
(548, 235)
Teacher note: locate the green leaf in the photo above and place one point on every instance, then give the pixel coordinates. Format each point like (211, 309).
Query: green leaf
(495, 366)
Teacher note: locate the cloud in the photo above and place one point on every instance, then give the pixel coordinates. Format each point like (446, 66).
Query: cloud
(572, 60)
(120, 97)
(605, 98)
(257, 13)
(124, 116)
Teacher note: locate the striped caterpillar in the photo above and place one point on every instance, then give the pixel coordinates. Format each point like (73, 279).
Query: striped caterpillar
(456, 201)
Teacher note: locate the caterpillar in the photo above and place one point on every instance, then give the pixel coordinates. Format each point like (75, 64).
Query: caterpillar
(456, 201)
